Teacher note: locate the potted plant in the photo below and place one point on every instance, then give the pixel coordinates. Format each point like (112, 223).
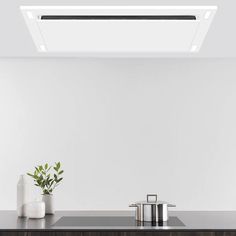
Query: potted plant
(47, 178)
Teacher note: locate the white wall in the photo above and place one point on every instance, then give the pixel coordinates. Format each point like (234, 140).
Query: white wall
(122, 128)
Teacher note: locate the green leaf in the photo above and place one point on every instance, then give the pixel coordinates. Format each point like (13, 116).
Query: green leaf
(35, 177)
(50, 185)
(55, 176)
(41, 177)
(57, 166)
(61, 172)
(47, 181)
(59, 180)
(40, 168)
(46, 166)
(30, 175)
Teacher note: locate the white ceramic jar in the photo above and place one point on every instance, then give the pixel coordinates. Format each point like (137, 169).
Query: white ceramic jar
(35, 210)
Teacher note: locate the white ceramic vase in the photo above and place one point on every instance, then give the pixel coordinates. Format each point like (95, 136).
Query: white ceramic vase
(49, 203)
(23, 195)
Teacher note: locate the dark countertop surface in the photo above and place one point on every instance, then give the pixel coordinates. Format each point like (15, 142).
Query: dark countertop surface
(119, 221)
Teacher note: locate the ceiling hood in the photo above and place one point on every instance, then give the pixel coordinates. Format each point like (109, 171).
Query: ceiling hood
(118, 29)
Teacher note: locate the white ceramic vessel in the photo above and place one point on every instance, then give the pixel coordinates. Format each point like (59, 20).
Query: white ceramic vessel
(23, 195)
(35, 210)
(49, 203)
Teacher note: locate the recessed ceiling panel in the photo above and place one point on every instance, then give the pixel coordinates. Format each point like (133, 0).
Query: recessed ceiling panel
(118, 29)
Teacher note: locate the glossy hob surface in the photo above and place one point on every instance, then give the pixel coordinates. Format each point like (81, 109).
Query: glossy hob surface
(89, 221)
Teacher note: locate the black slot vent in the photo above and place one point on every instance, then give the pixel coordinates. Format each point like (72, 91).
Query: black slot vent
(118, 17)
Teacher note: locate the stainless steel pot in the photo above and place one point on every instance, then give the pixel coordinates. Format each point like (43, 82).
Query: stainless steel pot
(151, 210)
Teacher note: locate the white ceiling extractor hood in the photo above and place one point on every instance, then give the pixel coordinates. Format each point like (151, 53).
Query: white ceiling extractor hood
(118, 29)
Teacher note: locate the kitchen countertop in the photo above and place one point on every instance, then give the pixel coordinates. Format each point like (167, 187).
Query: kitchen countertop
(193, 221)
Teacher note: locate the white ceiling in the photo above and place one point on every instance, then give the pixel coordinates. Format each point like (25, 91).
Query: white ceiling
(15, 40)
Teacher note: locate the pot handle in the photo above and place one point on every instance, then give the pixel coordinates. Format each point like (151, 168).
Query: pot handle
(150, 197)
(133, 205)
(171, 205)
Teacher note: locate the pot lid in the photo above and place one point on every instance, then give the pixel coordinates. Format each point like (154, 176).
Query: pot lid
(151, 203)
(152, 200)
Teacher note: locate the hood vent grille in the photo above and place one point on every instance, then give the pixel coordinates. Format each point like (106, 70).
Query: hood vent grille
(118, 17)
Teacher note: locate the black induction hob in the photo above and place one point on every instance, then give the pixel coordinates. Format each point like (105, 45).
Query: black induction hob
(114, 221)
